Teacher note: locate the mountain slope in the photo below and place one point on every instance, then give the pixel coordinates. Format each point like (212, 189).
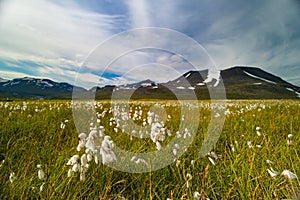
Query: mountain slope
(35, 88)
(240, 83)
(253, 82)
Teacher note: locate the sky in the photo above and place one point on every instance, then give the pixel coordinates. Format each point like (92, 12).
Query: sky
(99, 42)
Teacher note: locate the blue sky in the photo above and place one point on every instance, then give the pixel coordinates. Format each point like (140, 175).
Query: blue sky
(58, 39)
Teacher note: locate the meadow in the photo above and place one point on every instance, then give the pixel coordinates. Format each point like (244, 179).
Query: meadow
(255, 157)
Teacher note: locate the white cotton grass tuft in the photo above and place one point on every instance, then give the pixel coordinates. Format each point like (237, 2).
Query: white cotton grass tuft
(82, 173)
(211, 160)
(214, 155)
(74, 159)
(82, 136)
(96, 146)
(269, 161)
(62, 125)
(70, 173)
(12, 177)
(188, 177)
(193, 163)
(289, 141)
(89, 157)
(76, 167)
(273, 173)
(177, 163)
(42, 187)
(249, 143)
(158, 145)
(197, 195)
(106, 150)
(175, 152)
(288, 174)
(258, 133)
(83, 160)
(1, 163)
(232, 147)
(132, 158)
(41, 173)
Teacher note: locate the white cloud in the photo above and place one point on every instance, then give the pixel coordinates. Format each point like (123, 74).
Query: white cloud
(60, 36)
(12, 75)
(139, 13)
(144, 46)
(156, 72)
(46, 33)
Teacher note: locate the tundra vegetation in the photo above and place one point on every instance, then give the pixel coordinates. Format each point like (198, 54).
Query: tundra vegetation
(43, 155)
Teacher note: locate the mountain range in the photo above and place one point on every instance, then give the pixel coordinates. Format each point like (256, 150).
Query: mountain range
(240, 82)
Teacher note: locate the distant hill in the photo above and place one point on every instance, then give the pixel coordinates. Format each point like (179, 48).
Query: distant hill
(34, 88)
(240, 82)
(253, 82)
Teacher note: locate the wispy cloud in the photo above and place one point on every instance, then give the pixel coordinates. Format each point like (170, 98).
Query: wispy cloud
(51, 34)
(59, 35)
(139, 13)
(12, 74)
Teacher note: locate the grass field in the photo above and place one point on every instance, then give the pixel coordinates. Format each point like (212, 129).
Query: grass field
(253, 146)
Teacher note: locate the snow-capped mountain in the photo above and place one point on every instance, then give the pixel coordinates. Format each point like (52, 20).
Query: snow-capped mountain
(240, 83)
(141, 84)
(36, 88)
(253, 82)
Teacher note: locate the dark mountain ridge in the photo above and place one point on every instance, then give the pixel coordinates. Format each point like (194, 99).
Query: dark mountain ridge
(240, 82)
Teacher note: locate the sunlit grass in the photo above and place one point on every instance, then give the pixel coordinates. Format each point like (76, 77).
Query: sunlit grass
(32, 135)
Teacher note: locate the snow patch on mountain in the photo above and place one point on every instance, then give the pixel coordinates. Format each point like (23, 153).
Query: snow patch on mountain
(43, 83)
(290, 89)
(146, 84)
(186, 76)
(260, 78)
(11, 83)
(297, 93)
